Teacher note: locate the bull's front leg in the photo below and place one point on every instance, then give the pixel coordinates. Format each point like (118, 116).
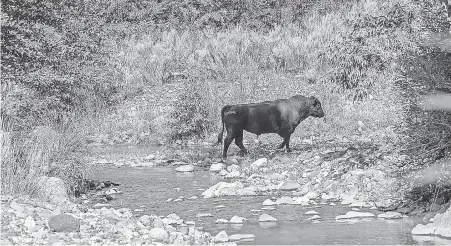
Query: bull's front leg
(287, 142)
(286, 134)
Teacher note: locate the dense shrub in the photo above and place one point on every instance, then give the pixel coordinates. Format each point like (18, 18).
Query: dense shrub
(428, 133)
(55, 68)
(190, 116)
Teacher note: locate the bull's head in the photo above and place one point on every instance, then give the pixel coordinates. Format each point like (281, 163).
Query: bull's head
(316, 110)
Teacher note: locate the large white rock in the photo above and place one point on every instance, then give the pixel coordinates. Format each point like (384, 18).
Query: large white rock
(185, 168)
(237, 220)
(266, 218)
(311, 195)
(326, 197)
(258, 163)
(421, 229)
(247, 191)
(442, 223)
(315, 217)
(233, 168)
(290, 185)
(52, 189)
(440, 226)
(311, 212)
(217, 167)
(223, 172)
(159, 234)
(233, 175)
(354, 215)
(390, 215)
(285, 200)
(221, 221)
(30, 223)
(222, 189)
(221, 237)
(304, 201)
(269, 202)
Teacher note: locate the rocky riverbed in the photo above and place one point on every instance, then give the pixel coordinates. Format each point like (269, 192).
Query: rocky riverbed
(305, 185)
(26, 221)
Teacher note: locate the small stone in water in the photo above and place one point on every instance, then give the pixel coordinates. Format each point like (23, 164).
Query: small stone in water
(314, 217)
(311, 212)
(266, 218)
(237, 220)
(268, 202)
(221, 221)
(238, 237)
(204, 215)
(220, 206)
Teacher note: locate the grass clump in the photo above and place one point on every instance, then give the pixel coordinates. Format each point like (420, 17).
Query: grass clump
(190, 115)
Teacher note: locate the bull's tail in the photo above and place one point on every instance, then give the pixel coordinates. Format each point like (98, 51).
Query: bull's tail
(222, 121)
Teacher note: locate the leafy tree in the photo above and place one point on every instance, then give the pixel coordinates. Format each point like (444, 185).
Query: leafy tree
(53, 60)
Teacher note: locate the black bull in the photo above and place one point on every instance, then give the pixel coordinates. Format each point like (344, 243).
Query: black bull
(281, 116)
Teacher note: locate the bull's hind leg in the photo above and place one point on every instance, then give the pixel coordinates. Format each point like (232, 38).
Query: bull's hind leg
(227, 141)
(281, 145)
(287, 142)
(239, 141)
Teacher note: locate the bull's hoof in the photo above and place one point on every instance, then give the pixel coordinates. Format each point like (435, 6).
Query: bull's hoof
(289, 150)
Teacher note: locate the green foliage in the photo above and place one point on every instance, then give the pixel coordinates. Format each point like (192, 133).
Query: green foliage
(53, 52)
(54, 65)
(190, 114)
(428, 133)
(373, 35)
(44, 151)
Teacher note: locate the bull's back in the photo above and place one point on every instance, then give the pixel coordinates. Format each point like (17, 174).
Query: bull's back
(257, 118)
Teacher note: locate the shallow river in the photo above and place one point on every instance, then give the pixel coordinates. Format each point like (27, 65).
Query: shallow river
(153, 186)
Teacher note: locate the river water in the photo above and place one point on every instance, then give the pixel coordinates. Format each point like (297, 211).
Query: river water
(149, 188)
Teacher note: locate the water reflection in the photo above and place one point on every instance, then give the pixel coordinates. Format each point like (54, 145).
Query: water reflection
(144, 186)
(430, 240)
(236, 226)
(267, 225)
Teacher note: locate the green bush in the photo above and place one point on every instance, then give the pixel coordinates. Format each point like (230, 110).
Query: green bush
(428, 133)
(55, 69)
(190, 116)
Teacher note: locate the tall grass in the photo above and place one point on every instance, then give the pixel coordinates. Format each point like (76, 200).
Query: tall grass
(55, 149)
(340, 56)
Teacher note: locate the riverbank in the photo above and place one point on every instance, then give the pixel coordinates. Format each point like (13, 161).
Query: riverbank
(26, 221)
(354, 174)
